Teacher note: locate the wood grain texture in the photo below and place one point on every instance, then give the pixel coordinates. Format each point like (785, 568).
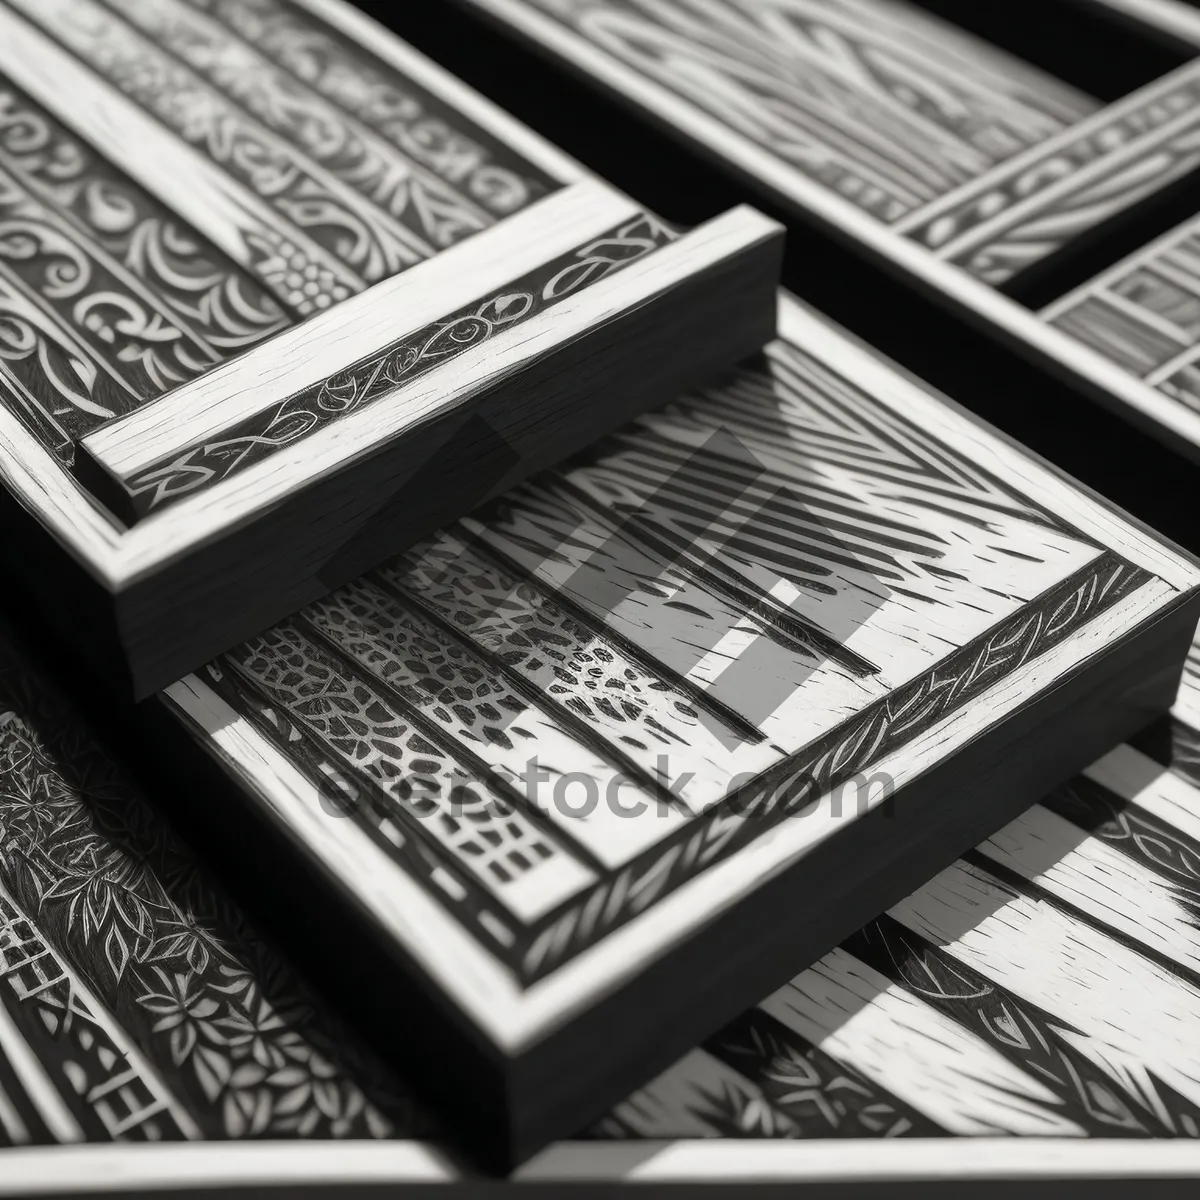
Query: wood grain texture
(693, 688)
(290, 166)
(1142, 315)
(1027, 991)
(883, 104)
(964, 1015)
(875, 103)
(893, 1040)
(543, 748)
(732, 79)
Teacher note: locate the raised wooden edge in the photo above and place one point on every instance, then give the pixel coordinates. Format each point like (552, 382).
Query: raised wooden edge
(299, 1165)
(407, 314)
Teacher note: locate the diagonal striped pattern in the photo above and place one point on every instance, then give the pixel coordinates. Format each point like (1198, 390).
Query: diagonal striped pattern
(1044, 986)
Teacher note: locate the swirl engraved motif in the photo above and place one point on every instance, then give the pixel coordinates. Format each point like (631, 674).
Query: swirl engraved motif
(107, 299)
(349, 76)
(357, 156)
(373, 378)
(354, 234)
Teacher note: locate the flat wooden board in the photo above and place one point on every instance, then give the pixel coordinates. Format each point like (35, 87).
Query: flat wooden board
(549, 743)
(968, 1016)
(183, 183)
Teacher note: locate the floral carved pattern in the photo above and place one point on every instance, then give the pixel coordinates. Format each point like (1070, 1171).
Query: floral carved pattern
(219, 1019)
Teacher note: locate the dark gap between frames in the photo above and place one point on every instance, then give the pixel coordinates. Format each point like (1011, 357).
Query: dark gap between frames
(1105, 244)
(1079, 42)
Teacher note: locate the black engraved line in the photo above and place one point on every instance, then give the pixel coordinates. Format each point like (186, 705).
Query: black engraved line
(271, 282)
(1179, 748)
(847, 751)
(435, 114)
(23, 948)
(826, 1097)
(1154, 844)
(378, 375)
(696, 695)
(952, 472)
(67, 223)
(370, 807)
(42, 1000)
(1016, 882)
(87, 817)
(963, 218)
(917, 459)
(887, 199)
(376, 218)
(48, 367)
(35, 413)
(649, 549)
(536, 697)
(645, 448)
(129, 392)
(474, 768)
(349, 177)
(560, 928)
(674, 548)
(873, 180)
(1025, 1034)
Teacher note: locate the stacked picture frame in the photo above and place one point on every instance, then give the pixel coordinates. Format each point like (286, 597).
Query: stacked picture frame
(552, 638)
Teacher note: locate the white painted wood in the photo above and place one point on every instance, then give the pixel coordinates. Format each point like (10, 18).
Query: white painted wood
(893, 1160)
(990, 451)
(120, 1169)
(344, 850)
(230, 215)
(514, 1018)
(1098, 880)
(196, 520)
(1133, 1019)
(742, 154)
(38, 1087)
(891, 629)
(1151, 786)
(48, 1171)
(702, 759)
(325, 344)
(925, 1059)
(542, 761)
(238, 222)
